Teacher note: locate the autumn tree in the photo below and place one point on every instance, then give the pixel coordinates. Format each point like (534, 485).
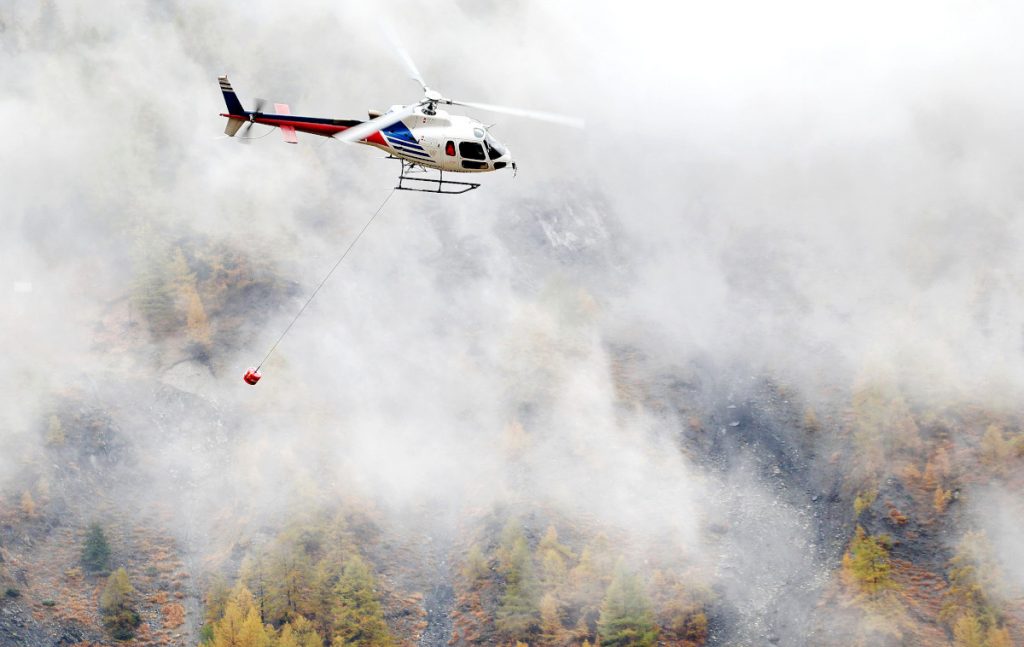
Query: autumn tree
(291, 582)
(196, 323)
(967, 632)
(518, 612)
(973, 581)
(55, 432)
(626, 615)
(554, 557)
(587, 583)
(476, 567)
(551, 630)
(253, 575)
(240, 625)
(299, 632)
(358, 617)
(119, 618)
(28, 504)
(866, 561)
(96, 551)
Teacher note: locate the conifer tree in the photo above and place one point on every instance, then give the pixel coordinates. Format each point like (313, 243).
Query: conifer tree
(518, 613)
(227, 631)
(973, 581)
(967, 632)
(96, 552)
(626, 616)
(252, 632)
(358, 617)
(476, 567)
(115, 604)
(28, 504)
(552, 632)
(304, 632)
(287, 637)
(868, 561)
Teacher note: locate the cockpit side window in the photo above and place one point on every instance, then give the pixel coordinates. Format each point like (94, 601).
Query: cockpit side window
(471, 150)
(494, 149)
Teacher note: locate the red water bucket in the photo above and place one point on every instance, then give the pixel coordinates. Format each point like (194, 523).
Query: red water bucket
(252, 376)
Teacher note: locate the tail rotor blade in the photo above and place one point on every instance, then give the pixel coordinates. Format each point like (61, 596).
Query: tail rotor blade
(552, 117)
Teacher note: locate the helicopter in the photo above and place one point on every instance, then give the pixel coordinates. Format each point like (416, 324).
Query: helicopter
(420, 135)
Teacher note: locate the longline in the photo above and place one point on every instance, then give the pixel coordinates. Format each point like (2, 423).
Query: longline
(329, 273)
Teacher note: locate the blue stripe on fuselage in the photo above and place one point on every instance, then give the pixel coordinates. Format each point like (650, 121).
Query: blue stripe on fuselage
(417, 154)
(399, 132)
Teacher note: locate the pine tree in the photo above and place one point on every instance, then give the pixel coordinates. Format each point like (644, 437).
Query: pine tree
(476, 567)
(518, 613)
(55, 433)
(96, 552)
(868, 561)
(252, 632)
(115, 604)
(227, 631)
(587, 584)
(998, 637)
(287, 638)
(304, 632)
(973, 581)
(28, 504)
(967, 632)
(358, 617)
(254, 575)
(216, 599)
(551, 630)
(291, 583)
(626, 616)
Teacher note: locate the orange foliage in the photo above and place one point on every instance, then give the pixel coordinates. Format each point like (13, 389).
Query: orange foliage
(174, 615)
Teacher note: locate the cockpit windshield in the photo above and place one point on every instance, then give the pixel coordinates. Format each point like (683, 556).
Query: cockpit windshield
(494, 148)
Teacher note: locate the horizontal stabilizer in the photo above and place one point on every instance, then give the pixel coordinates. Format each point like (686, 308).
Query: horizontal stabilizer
(232, 126)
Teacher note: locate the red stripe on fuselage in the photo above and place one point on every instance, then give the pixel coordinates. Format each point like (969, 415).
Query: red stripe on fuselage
(312, 127)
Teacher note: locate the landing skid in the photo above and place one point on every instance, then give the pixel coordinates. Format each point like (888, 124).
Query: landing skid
(439, 185)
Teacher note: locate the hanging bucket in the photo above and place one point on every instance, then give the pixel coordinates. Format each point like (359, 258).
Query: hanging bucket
(252, 376)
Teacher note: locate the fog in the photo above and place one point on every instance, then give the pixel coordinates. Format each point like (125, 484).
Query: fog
(823, 194)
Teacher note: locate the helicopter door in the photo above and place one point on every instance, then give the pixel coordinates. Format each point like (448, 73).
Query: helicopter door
(472, 154)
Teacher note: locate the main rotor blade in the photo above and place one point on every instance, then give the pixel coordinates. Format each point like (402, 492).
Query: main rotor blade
(565, 120)
(410, 65)
(367, 128)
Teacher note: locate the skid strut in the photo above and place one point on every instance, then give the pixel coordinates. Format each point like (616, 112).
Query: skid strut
(429, 185)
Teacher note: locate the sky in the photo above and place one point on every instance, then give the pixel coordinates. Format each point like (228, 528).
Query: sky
(827, 193)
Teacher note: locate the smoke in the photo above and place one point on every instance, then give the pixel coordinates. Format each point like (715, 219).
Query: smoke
(816, 192)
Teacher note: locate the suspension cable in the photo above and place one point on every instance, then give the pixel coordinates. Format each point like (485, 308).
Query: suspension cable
(327, 276)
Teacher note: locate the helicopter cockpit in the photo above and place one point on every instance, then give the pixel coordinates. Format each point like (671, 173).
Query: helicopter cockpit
(476, 153)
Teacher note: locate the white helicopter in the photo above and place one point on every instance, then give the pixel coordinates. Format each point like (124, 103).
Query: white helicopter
(419, 134)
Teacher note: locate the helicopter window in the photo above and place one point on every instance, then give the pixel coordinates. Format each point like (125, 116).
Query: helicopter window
(449, 149)
(473, 165)
(494, 149)
(471, 150)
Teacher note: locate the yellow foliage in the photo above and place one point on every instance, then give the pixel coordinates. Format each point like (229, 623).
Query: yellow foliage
(995, 449)
(864, 500)
(28, 504)
(811, 420)
(55, 432)
(997, 637)
(967, 632)
(941, 499)
(866, 562)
